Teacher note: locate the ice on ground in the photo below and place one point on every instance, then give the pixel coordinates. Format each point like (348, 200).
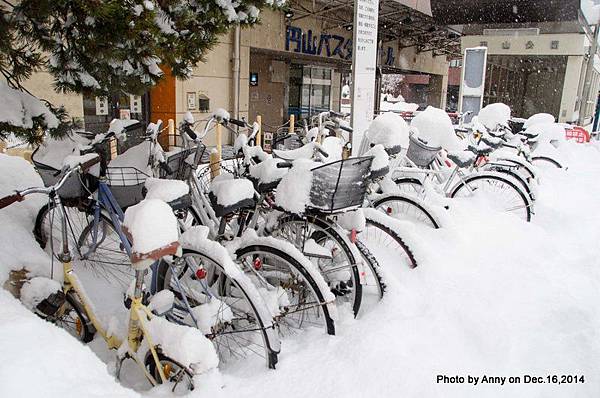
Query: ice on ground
(388, 129)
(494, 115)
(435, 128)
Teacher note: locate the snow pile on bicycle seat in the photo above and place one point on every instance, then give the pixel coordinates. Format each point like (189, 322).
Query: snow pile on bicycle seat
(19, 108)
(45, 361)
(494, 115)
(137, 157)
(230, 191)
(221, 114)
(184, 344)
(267, 171)
(435, 129)
(538, 118)
(381, 160)
(334, 147)
(35, 290)
(293, 192)
(152, 226)
(165, 190)
(304, 152)
(389, 130)
(546, 132)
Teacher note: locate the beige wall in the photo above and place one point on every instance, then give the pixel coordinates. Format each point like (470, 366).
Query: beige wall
(40, 85)
(570, 88)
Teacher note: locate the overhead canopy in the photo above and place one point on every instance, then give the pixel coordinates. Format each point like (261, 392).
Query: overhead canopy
(503, 11)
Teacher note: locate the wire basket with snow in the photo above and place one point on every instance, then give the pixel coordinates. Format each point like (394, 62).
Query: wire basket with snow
(47, 160)
(284, 140)
(180, 164)
(340, 185)
(420, 153)
(126, 185)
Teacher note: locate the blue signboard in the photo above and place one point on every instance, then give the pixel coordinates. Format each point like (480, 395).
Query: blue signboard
(325, 45)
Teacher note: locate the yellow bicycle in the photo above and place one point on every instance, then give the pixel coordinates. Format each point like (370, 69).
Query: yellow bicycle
(147, 338)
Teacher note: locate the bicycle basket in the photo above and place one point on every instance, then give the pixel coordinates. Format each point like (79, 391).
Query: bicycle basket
(126, 185)
(182, 163)
(420, 153)
(287, 141)
(340, 185)
(45, 160)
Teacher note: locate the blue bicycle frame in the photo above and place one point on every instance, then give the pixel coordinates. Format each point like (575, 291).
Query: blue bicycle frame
(105, 200)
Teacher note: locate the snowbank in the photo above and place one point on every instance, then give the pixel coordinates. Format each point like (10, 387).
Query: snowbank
(435, 128)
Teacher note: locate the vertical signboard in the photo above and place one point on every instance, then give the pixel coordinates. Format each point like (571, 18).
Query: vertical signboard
(364, 62)
(472, 83)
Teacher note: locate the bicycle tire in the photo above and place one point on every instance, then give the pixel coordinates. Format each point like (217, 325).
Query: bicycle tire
(270, 348)
(324, 228)
(546, 160)
(87, 329)
(374, 267)
(377, 221)
(298, 269)
(498, 177)
(415, 204)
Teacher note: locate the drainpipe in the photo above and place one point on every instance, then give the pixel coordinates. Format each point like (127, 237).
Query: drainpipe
(588, 76)
(236, 71)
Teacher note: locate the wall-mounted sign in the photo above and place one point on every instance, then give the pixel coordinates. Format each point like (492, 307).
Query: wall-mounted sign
(253, 79)
(101, 106)
(364, 62)
(325, 45)
(135, 103)
(191, 101)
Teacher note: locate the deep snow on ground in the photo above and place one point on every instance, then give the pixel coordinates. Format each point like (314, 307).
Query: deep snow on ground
(492, 295)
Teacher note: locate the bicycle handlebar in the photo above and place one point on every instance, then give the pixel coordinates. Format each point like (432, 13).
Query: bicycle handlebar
(284, 165)
(10, 199)
(239, 123)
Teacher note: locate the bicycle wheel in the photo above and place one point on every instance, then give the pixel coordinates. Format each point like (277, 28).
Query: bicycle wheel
(48, 225)
(405, 208)
(516, 176)
(381, 237)
(72, 318)
(288, 282)
(409, 185)
(374, 280)
(504, 194)
(226, 306)
(546, 162)
(175, 373)
(322, 242)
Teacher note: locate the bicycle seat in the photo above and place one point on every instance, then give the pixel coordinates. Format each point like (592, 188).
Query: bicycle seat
(228, 195)
(152, 230)
(482, 149)
(266, 175)
(461, 158)
(174, 192)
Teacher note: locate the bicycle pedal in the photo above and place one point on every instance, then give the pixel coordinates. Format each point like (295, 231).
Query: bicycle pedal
(51, 304)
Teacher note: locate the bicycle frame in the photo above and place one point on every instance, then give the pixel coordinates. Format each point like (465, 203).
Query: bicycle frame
(139, 313)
